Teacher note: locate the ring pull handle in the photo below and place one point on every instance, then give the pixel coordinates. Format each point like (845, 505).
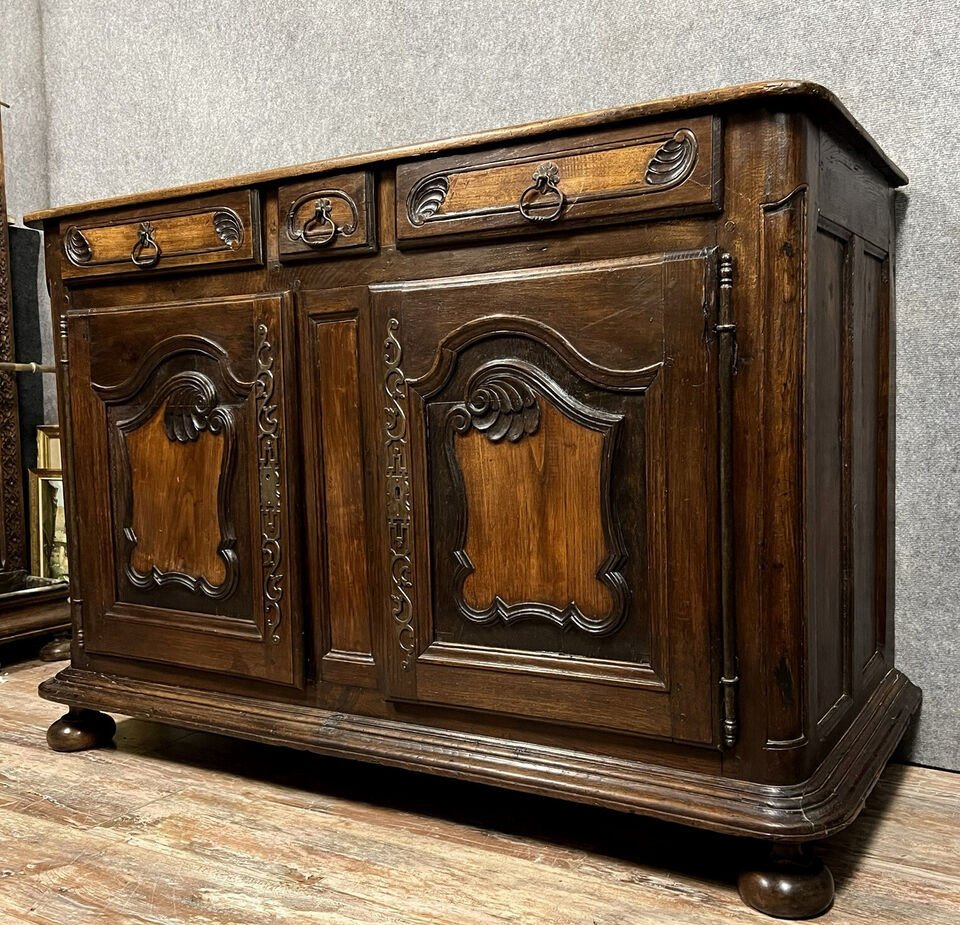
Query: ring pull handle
(546, 182)
(320, 230)
(145, 242)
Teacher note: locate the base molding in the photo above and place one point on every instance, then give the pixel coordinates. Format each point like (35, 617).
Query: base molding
(825, 803)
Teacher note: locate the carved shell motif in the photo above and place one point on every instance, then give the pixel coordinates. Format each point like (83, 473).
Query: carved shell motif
(76, 246)
(426, 198)
(229, 227)
(501, 408)
(188, 410)
(673, 161)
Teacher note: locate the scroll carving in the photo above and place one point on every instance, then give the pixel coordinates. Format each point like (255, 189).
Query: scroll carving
(673, 161)
(503, 407)
(271, 488)
(229, 227)
(398, 494)
(426, 198)
(565, 476)
(77, 247)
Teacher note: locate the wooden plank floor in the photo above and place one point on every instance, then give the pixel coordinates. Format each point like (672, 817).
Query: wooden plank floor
(178, 827)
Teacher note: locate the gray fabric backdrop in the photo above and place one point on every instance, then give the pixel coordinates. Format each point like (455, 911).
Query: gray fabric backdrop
(126, 97)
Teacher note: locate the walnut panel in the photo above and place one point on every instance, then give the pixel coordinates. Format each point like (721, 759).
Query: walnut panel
(337, 515)
(657, 169)
(220, 230)
(179, 533)
(518, 494)
(328, 215)
(827, 474)
(870, 387)
(188, 546)
(525, 544)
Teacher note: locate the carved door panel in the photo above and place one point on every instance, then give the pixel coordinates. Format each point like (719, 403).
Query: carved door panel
(180, 409)
(550, 475)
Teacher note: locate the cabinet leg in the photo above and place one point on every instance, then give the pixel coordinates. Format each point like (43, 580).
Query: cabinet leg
(791, 884)
(80, 729)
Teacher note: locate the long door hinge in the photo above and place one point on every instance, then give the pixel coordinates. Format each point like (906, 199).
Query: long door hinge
(726, 330)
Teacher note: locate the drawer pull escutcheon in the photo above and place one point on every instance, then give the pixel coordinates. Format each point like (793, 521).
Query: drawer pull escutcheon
(320, 230)
(144, 241)
(546, 180)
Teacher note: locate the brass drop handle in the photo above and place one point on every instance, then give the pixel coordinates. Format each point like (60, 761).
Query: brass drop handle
(320, 230)
(145, 242)
(546, 182)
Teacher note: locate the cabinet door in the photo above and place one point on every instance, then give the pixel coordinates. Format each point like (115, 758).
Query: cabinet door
(181, 448)
(550, 478)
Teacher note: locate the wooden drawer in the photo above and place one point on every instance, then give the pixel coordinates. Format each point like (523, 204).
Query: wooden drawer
(222, 230)
(667, 168)
(328, 215)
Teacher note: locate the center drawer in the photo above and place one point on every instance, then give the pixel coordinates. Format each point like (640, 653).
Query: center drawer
(655, 170)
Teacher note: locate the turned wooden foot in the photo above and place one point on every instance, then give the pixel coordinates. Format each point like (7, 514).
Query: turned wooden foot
(80, 729)
(792, 884)
(56, 650)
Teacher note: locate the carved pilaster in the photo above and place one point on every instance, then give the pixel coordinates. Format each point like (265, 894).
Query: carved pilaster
(398, 494)
(268, 445)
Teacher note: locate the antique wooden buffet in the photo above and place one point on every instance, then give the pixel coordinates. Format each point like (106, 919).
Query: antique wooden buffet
(558, 457)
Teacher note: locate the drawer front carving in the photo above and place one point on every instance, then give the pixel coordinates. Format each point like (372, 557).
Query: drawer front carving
(664, 169)
(217, 230)
(329, 215)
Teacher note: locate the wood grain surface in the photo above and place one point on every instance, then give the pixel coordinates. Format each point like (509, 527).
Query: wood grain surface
(177, 828)
(176, 516)
(539, 536)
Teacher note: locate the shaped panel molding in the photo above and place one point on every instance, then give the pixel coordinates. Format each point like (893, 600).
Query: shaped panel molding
(538, 539)
(184, 437)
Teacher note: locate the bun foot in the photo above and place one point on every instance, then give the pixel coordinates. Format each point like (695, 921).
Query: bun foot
(793, 884)
(56, 651)
(79, 729)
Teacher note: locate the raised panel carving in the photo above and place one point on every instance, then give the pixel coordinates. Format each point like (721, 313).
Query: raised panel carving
(179, 453)
(175, 441)
(537, 537)
(398, 494)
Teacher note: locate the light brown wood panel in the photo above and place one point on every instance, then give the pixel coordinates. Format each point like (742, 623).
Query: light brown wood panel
(174, 487)
(534, 516)
(349, 225)
(656, 169)
(220, 230)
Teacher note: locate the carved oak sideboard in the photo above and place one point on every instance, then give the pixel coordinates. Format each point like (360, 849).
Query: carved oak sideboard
(558, 457)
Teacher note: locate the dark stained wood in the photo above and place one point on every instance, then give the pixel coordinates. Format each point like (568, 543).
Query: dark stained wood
(327, 215)
(171, 813)
(792, 885)
(77, 730)
(35, 619)
(337, 513)
(494, 463)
